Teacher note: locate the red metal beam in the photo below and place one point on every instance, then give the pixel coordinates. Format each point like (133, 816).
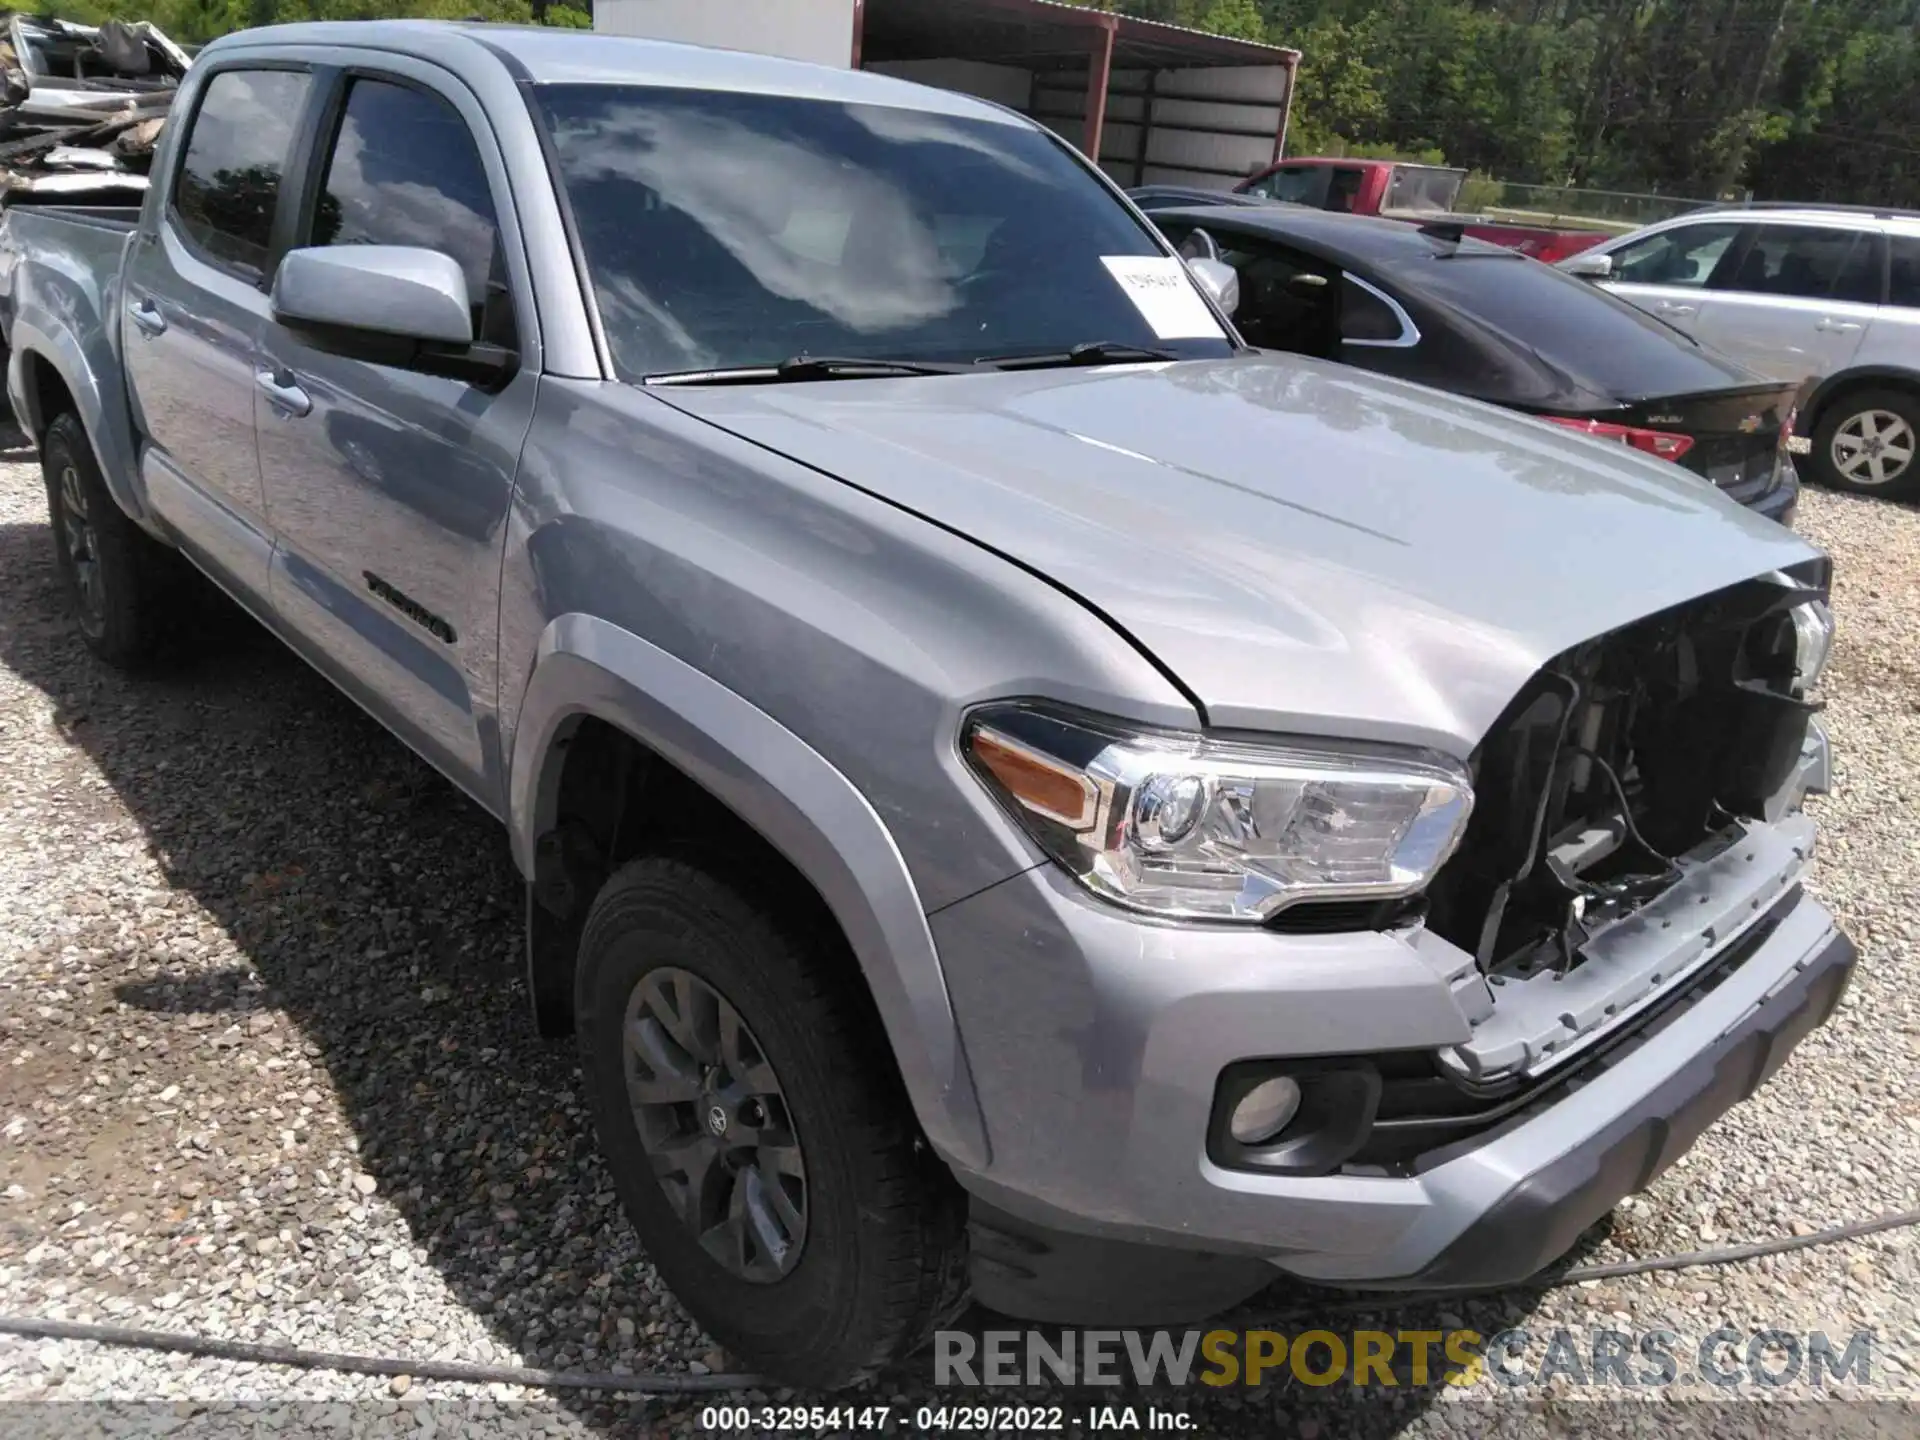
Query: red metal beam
(860, 30)
(1099, 71)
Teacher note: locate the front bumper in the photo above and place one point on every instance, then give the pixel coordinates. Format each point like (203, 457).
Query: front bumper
(1538, 1220)
(1097, 1042)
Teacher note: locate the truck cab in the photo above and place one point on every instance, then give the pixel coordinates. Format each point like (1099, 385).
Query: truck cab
(1359, 187)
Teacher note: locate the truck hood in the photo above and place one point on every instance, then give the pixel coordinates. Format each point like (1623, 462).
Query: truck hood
(1304, 547)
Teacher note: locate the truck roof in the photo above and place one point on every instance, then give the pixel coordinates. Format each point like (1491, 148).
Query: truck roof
(547, 55)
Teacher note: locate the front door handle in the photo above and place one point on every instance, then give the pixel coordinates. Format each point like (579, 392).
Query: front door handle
(1669, 307)
(285, 393)
(146, 317)
(1837, 327)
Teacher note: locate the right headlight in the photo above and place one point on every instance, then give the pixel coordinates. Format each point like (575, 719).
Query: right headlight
(1812, 643)
(1182, 825)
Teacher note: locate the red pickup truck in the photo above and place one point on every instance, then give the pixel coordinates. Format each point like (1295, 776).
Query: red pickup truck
(1401, 190)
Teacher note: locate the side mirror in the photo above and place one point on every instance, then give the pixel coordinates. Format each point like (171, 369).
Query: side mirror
(1212, 274)
(1588, 266)
(1220, 280)
(402, 291)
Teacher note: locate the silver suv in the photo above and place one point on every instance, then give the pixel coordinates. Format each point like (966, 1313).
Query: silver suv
(1829, 295)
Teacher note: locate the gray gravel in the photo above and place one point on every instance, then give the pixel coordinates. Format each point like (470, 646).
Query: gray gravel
(265, 1070)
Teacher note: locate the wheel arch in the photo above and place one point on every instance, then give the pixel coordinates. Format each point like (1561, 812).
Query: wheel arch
(46, 375)
(1864, 377)
(592, 679)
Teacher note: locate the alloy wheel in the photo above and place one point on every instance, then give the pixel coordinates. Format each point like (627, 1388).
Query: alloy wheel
(1874, 447)
(715, 1125)
(83, 552)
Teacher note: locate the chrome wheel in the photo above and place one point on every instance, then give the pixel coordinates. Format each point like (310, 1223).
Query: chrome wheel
(83, 552)
(715, 1125)
(1874, 447)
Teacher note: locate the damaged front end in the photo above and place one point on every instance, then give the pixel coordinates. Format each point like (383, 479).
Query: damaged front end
(1638, 827)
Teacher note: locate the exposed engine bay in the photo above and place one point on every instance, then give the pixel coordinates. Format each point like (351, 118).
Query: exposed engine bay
(1636, 809)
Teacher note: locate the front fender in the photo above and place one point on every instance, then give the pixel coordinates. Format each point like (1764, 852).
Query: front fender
(799, 802)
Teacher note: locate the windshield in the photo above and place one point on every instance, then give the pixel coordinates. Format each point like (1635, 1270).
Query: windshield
(725, 230)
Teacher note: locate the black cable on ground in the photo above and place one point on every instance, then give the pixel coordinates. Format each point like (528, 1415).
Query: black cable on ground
(1727, 1254)
(372, 1364)
(35, 1329)
(1579, 1274)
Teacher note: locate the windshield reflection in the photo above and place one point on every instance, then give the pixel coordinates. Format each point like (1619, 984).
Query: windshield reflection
(781, 207)
(725, 229)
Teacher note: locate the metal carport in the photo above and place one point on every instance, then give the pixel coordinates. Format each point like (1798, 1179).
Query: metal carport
(1156, 103)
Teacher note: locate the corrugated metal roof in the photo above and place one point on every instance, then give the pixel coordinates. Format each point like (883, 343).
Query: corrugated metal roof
(1171, 31)
(1049, 32)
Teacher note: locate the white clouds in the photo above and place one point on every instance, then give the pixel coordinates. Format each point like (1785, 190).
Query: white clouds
(439, 216)
(775, 204)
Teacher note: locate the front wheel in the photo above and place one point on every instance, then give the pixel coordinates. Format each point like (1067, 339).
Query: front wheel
(1866, 443)
(758, 1138)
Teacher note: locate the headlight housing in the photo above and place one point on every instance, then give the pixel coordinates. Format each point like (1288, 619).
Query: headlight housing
(1177, 824)
(1812, 643)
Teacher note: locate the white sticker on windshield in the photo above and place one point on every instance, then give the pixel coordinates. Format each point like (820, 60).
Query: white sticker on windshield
(1164, 294)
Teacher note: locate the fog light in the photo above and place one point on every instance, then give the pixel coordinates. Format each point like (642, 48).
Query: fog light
(1263, 1112)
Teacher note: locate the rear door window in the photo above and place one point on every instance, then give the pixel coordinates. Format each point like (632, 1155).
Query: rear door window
(1807, 262)
(1599, 341)
(1903, 271)
(229, 182)
(1685, 256)
(1368, 317)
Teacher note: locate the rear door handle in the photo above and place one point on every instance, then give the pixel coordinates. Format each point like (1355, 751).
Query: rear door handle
(1672, 307)
(1838, 327)
(280, 387)
(147, 317)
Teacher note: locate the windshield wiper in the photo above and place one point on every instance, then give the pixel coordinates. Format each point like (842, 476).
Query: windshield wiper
(1090, 352)
(807, 367)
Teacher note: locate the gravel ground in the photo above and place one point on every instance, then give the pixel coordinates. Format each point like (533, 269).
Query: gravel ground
(265, 1074)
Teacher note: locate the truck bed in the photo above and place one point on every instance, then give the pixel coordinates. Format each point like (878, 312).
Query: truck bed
(121, 218)
(60, 268)
(74, 245)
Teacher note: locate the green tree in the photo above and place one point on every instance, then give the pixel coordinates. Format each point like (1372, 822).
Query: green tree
(1239, 18)
(1793, 99)
(1338, 100)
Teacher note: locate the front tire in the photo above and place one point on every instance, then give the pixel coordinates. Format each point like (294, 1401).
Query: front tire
(759, 1139)
(121, 581)
(1866, 443)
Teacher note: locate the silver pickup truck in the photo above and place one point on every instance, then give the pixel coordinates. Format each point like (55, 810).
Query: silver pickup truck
(1017, 794)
